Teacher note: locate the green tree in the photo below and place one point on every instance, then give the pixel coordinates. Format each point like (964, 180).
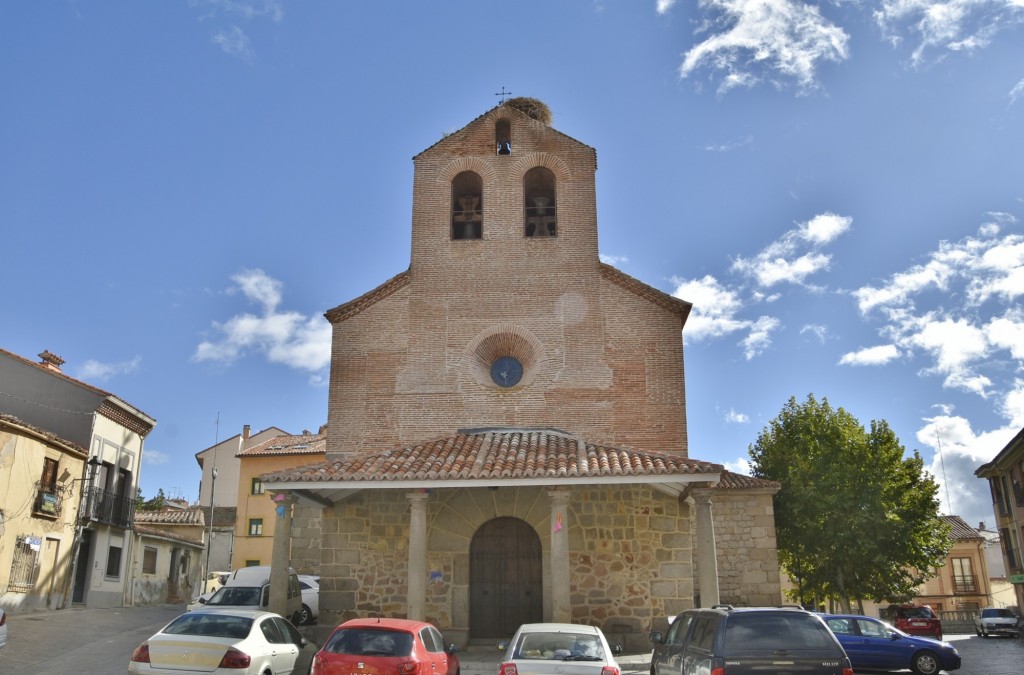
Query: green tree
(855, 518)
(154, 504)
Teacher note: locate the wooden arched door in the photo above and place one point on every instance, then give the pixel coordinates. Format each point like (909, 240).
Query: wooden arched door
(505, 578)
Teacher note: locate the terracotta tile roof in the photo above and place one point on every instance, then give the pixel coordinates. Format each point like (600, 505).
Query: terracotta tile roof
(223, 516)
(738, 481)
(285, 444)
(960, 528)
(190, 516)
(490, 454)
(159, 533)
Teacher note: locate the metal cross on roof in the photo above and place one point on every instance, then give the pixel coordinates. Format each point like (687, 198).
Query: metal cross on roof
(503, 94)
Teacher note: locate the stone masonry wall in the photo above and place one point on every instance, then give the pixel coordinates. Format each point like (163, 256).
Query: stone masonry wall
(748, 562)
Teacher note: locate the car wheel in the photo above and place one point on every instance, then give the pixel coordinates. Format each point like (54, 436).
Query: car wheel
(977, 631)
(305, 616)
(925, 663)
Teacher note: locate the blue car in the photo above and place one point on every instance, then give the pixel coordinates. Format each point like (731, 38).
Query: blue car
(872, 644)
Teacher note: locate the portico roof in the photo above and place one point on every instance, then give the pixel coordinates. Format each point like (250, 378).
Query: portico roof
(495, 457)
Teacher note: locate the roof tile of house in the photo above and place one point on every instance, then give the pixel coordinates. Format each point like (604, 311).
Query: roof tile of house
(301, 444)
(190, 516)
(960, 528)
(498, 453)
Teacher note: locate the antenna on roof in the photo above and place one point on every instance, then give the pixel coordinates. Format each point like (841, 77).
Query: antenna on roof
(503, 94)
(942, 463)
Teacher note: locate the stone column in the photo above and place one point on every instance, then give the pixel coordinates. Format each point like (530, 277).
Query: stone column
(280, 560)
(561, 609)
(417, 600)
(707, 555)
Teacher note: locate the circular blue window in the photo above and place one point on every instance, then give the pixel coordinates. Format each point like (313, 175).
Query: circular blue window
(506, 371)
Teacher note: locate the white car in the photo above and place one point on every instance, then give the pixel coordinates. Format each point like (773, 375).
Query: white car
(223, 641)
(3, 628)
(310, 586)
(995, 621)
(559, 649)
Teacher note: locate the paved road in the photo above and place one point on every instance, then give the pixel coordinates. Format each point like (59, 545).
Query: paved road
(100, 641)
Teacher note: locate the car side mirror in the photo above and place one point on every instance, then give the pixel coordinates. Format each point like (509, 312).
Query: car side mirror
(617, 650)
(503, 644)
(202, 600)
(452, 648)
(655, 636)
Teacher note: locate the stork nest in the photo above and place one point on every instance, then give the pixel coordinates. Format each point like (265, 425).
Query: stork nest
(533, 107)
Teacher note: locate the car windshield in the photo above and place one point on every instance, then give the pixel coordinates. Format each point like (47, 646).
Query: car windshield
(917, 613)
(236, 596)
(235, 627)
(559, 647)
(369, 642)
(775, 632)
(993, 613)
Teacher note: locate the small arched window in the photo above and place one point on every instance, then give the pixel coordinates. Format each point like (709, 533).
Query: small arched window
(541, 213)
(467, 206)
(503, 137)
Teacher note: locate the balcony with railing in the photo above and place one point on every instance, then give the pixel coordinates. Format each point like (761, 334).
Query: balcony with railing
(108, 507)
(965, 584)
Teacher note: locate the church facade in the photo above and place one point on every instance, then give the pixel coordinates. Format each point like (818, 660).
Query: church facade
(506, 437)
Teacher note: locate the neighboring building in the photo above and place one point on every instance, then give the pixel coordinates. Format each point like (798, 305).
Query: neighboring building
(167, 567)
(1005, 475)
(254, 533)
(507, 436)
(224, 457)
(42, 477)
(1002, 589)
(114, 433)
(219, 464)
(963, 582)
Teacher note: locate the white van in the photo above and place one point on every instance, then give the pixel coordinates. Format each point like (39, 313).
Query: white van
(249, 588)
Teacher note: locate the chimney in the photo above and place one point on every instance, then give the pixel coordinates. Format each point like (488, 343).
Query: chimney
(245, 433)
(51, 361)
(981, 526)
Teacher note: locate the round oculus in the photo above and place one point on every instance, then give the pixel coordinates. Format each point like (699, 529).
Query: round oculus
(506, 371)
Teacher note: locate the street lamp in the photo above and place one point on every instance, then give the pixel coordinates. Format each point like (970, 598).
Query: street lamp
(209, 539)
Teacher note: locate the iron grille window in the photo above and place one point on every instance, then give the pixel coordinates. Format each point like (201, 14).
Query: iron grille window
(25, 566)
(149, 560)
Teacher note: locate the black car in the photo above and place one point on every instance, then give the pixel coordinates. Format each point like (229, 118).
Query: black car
(750, 640)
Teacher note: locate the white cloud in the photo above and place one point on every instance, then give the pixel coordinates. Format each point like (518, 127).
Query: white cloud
(753, 40)
(946, 26)
(613, 260)
(820, 332)
(1016, 92)
(288, 338)
(235, 42)
(760, 336)
(731, 145)
(714, 308)
(96, 371)
(155, 457)
(664, 5)
(740, 466)
(870, 356)
(733, 417)
(965, 329)
(792, 258)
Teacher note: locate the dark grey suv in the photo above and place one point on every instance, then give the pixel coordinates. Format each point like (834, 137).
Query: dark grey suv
(726, 640)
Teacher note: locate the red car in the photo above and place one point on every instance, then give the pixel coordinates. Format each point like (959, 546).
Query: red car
(386, 647)
(915, 620)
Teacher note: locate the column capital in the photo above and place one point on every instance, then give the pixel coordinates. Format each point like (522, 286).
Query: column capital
(559, 497)
(702, 495)
(417, 499)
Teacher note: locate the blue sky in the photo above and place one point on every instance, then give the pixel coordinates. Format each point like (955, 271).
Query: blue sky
(186, 186)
